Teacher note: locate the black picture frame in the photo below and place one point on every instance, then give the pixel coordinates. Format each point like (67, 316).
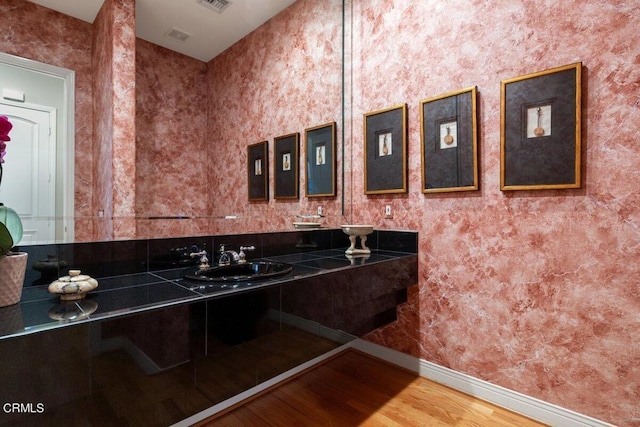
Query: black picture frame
(385, 159)
(449, 142)
(320, 155)
(286, 166)
(258, 170)
(540, 121)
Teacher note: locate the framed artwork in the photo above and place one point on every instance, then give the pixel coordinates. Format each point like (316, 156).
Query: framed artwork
(385, 147)
(320, 142)
(258, 167)
(286, 166)
(449, 146)
(540, 119)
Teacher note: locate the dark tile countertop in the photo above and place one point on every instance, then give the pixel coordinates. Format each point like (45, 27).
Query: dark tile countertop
(134, 293)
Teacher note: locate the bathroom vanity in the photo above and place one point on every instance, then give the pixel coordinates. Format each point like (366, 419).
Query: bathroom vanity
(150, 343)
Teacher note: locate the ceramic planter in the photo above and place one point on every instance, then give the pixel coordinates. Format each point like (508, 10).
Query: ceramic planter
(12, 270)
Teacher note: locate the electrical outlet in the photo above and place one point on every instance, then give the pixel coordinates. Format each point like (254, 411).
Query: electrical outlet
(387, 211)
(319, 210)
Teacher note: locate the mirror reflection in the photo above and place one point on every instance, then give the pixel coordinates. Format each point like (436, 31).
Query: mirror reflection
(155, 142)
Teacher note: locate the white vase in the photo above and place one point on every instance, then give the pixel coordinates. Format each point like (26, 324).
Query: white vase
(12, 270)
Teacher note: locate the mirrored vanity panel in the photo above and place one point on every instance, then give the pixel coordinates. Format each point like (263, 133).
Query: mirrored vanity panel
(153, 368)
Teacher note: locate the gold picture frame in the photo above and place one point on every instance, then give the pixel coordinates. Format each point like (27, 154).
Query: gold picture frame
(385, 158)
(320, 144)
(449, 142)
(286, 166)
(258, 169)
(540, 124)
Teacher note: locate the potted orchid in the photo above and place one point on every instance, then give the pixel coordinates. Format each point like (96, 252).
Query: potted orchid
(12, 264)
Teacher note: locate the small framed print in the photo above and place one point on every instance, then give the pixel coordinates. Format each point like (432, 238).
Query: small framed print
(385, 142)
(320, 142)
(286, 168)
(258, 167)
(286, 161)
(449, 146)
(385, 160)
(540, 121)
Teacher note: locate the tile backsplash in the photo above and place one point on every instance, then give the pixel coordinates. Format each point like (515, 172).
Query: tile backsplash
(103, 259)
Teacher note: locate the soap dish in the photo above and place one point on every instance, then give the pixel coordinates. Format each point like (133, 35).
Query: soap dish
(306, 225)
(74, 286)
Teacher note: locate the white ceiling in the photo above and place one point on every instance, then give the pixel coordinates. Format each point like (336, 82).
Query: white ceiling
(211, 32)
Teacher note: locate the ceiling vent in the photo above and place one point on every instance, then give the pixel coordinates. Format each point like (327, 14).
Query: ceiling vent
(177, 34)
(217, 5)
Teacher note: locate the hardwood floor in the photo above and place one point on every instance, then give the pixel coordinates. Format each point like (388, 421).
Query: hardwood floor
(348, 390)
(356, 389)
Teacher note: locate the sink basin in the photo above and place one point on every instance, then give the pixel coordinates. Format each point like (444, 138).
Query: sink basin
(240, 272)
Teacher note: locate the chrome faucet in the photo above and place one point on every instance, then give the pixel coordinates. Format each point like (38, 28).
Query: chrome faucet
(228, 257)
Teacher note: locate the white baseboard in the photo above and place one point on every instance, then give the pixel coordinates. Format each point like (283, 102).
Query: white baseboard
(517, 402)
(500, 396)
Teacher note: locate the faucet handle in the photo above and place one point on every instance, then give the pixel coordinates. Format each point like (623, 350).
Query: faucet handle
(242, 257)
(204, 261)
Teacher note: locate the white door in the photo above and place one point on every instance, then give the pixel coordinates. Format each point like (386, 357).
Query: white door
(28, 180)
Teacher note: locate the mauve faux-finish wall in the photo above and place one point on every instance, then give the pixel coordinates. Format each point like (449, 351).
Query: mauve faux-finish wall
(171, 143)
(536, 291)
(114, 108)
(40, 34)
(281, 79)
(103, 117)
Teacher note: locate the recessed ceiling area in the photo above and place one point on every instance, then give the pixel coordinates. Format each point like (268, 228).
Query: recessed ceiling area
(185, 26)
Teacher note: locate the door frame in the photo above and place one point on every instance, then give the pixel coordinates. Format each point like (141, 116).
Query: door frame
(66, 143)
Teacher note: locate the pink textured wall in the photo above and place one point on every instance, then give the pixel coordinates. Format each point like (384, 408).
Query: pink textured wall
(103, 122)
(124, 112)
(282, 78)
(171, 143)
(536, 291)
(114, 107)
(34, 32)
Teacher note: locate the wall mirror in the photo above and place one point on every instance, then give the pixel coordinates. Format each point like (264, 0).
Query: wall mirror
(62, 215)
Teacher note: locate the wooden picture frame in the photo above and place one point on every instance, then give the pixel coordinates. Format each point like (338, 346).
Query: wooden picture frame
(286, 166)
(258, 169)
(449, 142)
(320, 154)
(385, 151)
(540, 121)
